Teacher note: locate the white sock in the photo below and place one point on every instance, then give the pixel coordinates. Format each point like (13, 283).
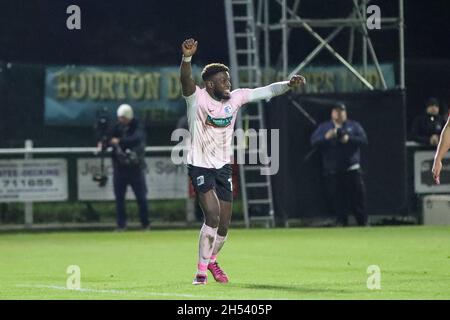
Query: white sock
(206, 243)
(220, 241)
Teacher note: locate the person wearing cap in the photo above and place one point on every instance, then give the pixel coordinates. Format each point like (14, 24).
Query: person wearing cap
(339, 142)
(128, 142)
(427, 127)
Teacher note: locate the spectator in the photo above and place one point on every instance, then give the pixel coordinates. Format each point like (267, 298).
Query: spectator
(339, 142)
(427, 126)
(128, 142)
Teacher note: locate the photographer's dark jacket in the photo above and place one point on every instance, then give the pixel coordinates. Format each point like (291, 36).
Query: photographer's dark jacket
(132, 142)
(337, 156)
(426, 125)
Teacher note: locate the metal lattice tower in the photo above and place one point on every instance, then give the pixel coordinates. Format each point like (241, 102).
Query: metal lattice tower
(291, 18)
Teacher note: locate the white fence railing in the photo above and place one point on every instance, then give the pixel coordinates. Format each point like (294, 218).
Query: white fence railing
(28, 151)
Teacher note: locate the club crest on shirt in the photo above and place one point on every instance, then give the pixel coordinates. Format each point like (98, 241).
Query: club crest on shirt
(228, 109)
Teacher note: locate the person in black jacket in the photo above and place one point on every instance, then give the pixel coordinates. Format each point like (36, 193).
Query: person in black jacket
(427, 127)
(128, 142)
(339, 142)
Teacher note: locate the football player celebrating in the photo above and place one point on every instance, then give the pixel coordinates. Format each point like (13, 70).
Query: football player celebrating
(211, 114)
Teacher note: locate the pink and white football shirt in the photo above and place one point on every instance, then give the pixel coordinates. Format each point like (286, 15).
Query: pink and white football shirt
(211, 124)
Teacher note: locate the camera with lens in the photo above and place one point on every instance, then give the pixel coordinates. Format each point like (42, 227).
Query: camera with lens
(101, 130)
(101, 178)
(340, 132)
(101, 127)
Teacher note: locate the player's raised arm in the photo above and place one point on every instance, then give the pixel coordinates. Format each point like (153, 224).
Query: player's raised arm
(188, 47)
(276, 89)
(443, 146)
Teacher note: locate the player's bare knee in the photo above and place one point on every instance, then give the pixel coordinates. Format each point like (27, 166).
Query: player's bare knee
(222, 230)
(212, 220)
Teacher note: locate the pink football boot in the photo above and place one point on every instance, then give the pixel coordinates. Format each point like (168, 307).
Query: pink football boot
(217, 272)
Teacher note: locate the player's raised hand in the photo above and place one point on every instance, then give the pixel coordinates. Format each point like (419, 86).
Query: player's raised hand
(296, 81)
(189, 47)
(437, 167)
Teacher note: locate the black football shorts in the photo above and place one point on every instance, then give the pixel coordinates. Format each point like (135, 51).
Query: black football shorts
(205, 179)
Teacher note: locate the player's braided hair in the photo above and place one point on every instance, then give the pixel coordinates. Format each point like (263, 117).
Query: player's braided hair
(213, 68)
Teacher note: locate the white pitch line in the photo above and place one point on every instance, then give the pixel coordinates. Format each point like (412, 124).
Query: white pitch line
(160, 294)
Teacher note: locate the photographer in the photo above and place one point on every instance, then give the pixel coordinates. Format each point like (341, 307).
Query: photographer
(339, 142)
(128, 143)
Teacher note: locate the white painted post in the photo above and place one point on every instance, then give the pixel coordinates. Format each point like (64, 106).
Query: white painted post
(28, 205)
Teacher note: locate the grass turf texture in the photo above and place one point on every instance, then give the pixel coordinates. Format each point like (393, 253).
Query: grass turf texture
(261, 263)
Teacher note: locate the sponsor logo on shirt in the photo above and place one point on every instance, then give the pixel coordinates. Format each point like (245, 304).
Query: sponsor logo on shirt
(218, 122)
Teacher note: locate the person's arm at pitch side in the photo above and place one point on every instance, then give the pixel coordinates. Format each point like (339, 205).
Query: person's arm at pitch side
(358, 135)
(275, 89)
(319, 136)
(188, 47)
(443, 146)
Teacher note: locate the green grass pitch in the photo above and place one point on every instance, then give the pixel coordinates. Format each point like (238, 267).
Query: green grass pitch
(328, 263)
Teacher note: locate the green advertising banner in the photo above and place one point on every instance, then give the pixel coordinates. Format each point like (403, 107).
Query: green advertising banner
(75, 94)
